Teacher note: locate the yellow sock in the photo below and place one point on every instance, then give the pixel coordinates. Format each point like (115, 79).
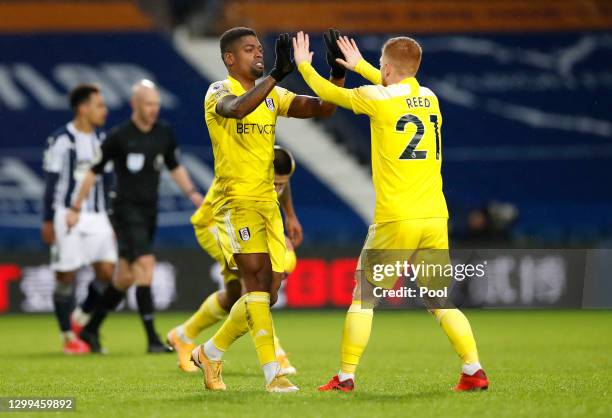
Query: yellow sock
(278, 348)
(357, 327)
(234, 327)
(457, 328)
(259, 320)
(209, 313)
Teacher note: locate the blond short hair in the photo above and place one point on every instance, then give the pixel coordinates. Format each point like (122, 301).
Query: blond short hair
(404, 53)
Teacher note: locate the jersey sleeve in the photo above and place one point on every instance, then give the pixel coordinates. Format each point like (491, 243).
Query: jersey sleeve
(368, 71)
(171, 152)
(326, 90)
(53, 156)
(52, 165)
(216, 92)
(363, 100)
(285, 98)
(108, 151)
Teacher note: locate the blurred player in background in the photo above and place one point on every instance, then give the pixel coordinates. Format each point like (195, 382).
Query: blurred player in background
(218, 304)
(411, 211)
(69, 154)
(138, 148)
(241, 119)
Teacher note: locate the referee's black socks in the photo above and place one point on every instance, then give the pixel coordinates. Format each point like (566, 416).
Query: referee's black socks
(110, 299)
(95, 290)
(144, 299)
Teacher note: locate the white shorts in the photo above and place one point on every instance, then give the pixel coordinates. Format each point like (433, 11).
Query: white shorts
(91, 240)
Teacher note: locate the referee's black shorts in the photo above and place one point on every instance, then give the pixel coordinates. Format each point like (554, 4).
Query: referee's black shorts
(135, 228)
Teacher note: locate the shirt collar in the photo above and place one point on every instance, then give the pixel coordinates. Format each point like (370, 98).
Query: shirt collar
(74, 131)
(236, 84)
(409, 80)
(412, 82)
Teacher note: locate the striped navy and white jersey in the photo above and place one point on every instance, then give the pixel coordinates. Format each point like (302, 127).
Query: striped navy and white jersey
(68, 156)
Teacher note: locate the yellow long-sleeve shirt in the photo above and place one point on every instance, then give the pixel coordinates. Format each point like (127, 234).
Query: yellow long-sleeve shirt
(405, 127)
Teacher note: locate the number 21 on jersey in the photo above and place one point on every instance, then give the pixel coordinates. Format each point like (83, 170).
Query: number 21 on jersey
(410, 152)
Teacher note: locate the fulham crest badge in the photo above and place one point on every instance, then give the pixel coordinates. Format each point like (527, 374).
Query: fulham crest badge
(245, 234)
(270, 103)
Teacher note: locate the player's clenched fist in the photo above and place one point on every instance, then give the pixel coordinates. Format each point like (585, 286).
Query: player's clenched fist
(301, 46)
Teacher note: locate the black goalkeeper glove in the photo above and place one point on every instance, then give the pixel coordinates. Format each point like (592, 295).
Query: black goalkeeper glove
(283, 64)
(333, 52)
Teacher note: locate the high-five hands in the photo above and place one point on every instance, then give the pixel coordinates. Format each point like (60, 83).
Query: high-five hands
(301, 46)
(351, 53)
(334, 55)
(283, 64)
(343, 50)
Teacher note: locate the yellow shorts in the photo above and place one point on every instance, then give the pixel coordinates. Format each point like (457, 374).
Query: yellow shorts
(206, 234)
(246, 227)
(416, 240)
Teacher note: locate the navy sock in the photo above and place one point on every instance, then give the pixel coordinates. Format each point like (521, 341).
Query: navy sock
(109, 301)
(63, 304)
(94, 294)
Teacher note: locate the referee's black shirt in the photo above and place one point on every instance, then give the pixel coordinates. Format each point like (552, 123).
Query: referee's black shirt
(137, 159)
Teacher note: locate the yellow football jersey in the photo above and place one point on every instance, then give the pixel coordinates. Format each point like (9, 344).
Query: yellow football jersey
(405, 126)
(244, 148)
(203, 216)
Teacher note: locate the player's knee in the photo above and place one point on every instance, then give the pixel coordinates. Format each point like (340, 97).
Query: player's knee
(65, 277)
(357, 293)
(142, 270)
(124, 280)
(233, 291)
(364, 292)
(63, 289)
(357, 288)
(264, 274)
(105, 272)
(255, 270)
(264, 281)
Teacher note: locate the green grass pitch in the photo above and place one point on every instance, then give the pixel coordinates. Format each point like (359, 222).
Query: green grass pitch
(540, 363)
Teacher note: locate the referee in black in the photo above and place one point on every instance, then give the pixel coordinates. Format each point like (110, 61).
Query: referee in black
(138, 148)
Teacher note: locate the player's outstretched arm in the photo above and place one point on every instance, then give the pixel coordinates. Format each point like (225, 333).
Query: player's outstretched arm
(304, 107)
(326, 90)
(313, 107)
(354, 61)
(237, 107)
